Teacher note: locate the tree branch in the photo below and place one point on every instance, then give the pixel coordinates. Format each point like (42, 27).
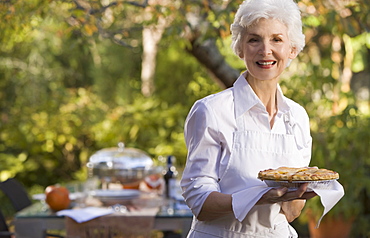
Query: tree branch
(208, 54)
(143, 5)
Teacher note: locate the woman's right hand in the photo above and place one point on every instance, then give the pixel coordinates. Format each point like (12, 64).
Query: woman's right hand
(281, 194)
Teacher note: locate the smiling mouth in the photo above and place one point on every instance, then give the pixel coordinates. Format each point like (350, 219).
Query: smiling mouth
(266, 63)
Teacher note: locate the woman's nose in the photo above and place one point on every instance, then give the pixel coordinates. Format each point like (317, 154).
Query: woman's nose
(265, 49)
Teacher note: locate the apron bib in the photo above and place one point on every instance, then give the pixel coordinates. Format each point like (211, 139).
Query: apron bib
(252, 152)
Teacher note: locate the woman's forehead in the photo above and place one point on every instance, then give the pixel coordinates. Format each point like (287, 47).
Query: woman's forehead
(265, 26)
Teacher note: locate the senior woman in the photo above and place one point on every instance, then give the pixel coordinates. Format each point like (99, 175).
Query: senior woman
(234, 134)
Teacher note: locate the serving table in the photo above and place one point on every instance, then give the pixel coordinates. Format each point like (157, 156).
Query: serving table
(35, 220)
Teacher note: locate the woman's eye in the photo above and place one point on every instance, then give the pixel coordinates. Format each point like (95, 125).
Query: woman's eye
(277, 39)
(252, 40)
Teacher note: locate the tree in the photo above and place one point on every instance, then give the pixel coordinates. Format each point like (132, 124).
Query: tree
(193, 26)
(200, 23)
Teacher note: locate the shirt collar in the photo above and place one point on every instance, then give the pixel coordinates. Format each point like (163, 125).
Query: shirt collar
(245, 98)
(282, 103)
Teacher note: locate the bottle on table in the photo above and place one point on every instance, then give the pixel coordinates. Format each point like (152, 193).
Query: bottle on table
(170, 178)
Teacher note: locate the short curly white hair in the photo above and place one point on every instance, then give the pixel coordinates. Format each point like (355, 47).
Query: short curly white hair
(250, 11)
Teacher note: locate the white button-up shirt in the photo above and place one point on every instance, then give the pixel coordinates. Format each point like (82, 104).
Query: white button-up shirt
(209, 130)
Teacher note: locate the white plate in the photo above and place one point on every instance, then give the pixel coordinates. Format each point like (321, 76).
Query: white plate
(293, 185)
(41, 196)
(116, 194)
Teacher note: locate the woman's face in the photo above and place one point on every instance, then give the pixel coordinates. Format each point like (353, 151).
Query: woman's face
(266, 49)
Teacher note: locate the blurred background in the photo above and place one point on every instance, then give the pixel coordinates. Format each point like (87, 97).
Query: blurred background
(77, 76)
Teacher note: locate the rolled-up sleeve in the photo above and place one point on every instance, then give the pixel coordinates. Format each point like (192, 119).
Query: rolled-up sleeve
(200, 176)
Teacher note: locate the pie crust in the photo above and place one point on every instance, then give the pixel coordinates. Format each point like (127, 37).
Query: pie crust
(298, 174)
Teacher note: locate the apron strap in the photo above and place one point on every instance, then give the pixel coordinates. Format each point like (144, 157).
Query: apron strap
(289, 123)
(291, 127)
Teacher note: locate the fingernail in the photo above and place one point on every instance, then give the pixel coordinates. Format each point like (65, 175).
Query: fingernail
(285, 189)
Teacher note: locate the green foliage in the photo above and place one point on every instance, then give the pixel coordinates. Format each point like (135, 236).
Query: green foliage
(177, 72)
(66, 91)
(64, 96)
(341, 143)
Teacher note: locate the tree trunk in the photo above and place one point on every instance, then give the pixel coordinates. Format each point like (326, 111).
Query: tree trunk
(151, 37)
(208, 54)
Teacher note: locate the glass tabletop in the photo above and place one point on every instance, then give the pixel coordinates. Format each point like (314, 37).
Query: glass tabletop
(169, 209)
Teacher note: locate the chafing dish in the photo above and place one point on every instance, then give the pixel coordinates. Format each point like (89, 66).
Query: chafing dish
(121, 165)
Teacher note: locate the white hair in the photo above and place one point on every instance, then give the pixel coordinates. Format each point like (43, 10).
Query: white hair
(250, 11)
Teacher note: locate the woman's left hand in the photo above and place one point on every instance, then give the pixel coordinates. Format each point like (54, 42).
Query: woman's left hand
(292, 202)
(292, 209)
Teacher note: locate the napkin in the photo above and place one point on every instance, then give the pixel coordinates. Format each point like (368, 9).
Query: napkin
(85, 214)
(329, 197)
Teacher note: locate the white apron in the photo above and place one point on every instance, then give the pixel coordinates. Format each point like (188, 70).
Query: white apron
(248, 157)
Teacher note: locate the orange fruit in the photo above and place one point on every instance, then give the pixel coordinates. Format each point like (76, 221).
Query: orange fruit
(57, 197)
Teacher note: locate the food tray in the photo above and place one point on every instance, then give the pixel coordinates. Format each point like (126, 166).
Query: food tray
(293, 185)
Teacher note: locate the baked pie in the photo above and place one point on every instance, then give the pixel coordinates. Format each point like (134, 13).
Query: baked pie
(297, 174)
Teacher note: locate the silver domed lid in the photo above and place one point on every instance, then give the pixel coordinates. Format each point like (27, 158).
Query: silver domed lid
(121, 158)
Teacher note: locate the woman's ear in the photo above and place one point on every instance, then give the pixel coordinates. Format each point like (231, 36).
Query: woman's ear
(241, 54)
(293, 53)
